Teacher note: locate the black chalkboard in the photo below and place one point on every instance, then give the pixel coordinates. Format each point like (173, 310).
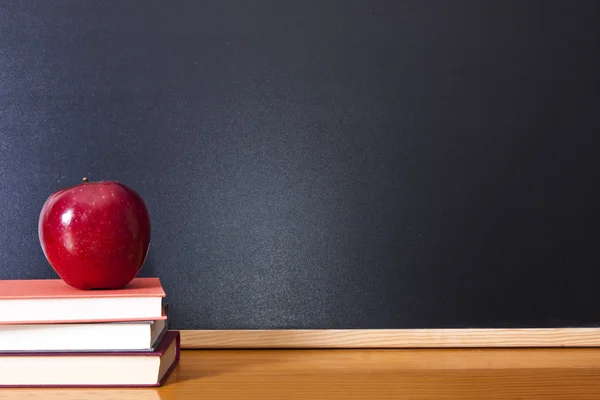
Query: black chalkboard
(321, 164)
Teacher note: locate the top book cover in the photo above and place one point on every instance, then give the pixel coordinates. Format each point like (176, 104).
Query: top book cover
(57, 288)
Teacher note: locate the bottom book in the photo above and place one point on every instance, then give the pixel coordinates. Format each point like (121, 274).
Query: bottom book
(102, 369)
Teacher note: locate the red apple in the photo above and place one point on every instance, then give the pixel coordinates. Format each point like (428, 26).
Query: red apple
(95, 235)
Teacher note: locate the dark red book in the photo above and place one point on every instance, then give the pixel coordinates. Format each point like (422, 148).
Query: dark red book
(95, 369)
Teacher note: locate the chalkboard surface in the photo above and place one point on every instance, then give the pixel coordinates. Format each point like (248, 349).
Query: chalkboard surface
(321, 164)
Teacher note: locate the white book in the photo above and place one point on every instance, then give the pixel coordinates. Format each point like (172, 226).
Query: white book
(82, 337)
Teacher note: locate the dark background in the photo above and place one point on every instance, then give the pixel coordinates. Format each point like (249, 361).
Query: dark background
(320, 164)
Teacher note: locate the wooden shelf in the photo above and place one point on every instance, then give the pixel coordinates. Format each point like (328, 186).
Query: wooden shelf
(390, 338)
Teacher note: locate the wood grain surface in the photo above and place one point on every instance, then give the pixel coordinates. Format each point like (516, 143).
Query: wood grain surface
(390, 338)
(365, 374)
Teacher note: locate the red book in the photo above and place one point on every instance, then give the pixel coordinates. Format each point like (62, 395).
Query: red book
(53, 301)
(101, 369)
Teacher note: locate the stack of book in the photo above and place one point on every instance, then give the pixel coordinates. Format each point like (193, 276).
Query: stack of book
(54, 335)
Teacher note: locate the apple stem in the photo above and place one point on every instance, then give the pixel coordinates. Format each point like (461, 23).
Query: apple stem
(85, 179)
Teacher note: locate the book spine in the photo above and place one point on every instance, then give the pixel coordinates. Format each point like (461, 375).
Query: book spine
(177, 356)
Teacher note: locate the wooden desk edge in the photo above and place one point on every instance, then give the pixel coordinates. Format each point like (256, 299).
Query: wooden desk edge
(390, 338)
